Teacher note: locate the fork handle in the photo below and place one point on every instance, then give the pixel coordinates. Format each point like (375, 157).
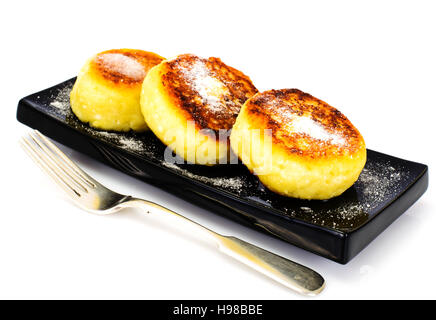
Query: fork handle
(291, 274)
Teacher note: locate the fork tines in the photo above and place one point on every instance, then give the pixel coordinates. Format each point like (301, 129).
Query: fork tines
(56, 164)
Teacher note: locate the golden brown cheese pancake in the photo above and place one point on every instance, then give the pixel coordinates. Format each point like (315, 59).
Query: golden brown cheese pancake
(107, 90)
(187, 100)
(309, 150)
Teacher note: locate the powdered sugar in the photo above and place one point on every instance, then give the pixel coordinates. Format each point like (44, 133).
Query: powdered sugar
(121, 139)
(233, 183)
(303, 124)
(209, 88)
(378, 181)
(375, 188)
(122, 64)
(61, 102)
(308, 126)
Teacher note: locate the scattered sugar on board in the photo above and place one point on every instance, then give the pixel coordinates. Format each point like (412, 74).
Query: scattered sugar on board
(61, 102)
(378, 181)
(233, 183)
(120, 139)
(375, 187)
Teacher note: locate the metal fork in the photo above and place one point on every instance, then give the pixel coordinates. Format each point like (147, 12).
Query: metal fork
(92, 196)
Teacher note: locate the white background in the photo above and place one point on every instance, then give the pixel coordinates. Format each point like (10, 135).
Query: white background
(375, 61)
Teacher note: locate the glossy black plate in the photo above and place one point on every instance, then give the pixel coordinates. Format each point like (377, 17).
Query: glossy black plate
(337, 229)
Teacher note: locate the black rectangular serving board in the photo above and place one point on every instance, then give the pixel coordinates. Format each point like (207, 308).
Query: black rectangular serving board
(337, 229)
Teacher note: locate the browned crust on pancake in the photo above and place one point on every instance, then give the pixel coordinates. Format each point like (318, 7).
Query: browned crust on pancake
(182, 77)
(146, 59)
(328, 131)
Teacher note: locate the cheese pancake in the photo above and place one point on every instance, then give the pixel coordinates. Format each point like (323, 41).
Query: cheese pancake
(188, 101)
(107, 90)
(315, 152)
